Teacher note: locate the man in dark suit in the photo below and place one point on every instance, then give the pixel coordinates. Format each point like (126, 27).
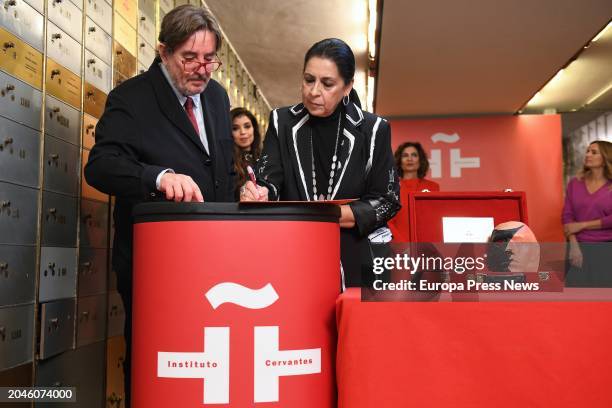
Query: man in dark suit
(164, 134)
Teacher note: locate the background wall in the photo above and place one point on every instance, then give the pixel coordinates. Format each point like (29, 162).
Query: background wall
(579, 130)
(522, 153)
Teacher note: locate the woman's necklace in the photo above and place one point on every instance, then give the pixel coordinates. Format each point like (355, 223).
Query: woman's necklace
(248, 157)
(331, 170)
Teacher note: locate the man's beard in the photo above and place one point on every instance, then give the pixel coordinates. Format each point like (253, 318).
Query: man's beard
(187, 92)
(183, 88)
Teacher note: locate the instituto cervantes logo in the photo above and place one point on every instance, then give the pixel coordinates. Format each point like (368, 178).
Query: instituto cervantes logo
(456, 162)
(213, 365)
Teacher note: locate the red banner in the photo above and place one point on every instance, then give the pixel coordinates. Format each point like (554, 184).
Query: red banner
(522, 153)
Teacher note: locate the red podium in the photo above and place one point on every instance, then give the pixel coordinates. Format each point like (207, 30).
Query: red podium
(234, 305)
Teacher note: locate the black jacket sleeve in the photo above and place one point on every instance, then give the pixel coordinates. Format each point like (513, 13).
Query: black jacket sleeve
(381, 199)
(113, 166)
(270, 171)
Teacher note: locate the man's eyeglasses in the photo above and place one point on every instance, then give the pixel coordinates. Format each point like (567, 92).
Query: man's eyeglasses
(191, 66)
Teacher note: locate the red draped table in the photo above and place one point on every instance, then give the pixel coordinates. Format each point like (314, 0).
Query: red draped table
(475, 354)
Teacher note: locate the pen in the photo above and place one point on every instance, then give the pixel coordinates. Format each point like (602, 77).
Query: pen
(252, 175)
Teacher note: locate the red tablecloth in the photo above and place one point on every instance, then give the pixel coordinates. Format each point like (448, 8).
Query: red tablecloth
(485, 354)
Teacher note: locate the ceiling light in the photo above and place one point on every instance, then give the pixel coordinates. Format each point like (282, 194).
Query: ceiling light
(370, 94)
(601, 33)
(373, 18)
(603, 91)
(534, 98)
(556, 77)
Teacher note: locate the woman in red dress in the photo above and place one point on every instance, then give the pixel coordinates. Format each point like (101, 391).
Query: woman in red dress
(412, 166)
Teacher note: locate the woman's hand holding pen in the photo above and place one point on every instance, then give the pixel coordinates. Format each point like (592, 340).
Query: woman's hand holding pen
(252, 192)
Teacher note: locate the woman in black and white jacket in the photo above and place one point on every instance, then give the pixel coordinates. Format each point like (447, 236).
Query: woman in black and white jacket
(327, 148)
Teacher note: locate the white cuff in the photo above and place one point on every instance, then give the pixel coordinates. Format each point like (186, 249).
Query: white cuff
(159, 176)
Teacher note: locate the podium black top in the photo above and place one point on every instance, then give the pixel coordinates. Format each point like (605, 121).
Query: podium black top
(269, 211)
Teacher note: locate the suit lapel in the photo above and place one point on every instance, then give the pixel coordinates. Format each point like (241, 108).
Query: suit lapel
(209, 122)
(351, 142)
(170, 106)
(300, 149)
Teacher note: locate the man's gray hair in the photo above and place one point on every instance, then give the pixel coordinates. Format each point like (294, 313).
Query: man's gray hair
(181, 22)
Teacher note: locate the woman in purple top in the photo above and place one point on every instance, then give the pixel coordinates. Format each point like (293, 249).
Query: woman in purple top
(587, 218)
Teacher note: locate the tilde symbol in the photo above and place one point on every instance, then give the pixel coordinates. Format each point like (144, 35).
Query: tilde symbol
(456, 161)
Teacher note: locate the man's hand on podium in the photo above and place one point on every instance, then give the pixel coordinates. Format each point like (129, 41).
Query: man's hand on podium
(179, 187)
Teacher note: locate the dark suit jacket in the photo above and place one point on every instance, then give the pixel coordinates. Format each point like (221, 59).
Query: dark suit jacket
(145, 130)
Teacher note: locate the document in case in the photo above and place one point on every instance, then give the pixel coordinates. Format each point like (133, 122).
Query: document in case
(467, 229)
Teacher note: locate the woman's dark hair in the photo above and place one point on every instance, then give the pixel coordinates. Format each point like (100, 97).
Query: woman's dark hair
(242, 158)
(340, 54)
(423, 162)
